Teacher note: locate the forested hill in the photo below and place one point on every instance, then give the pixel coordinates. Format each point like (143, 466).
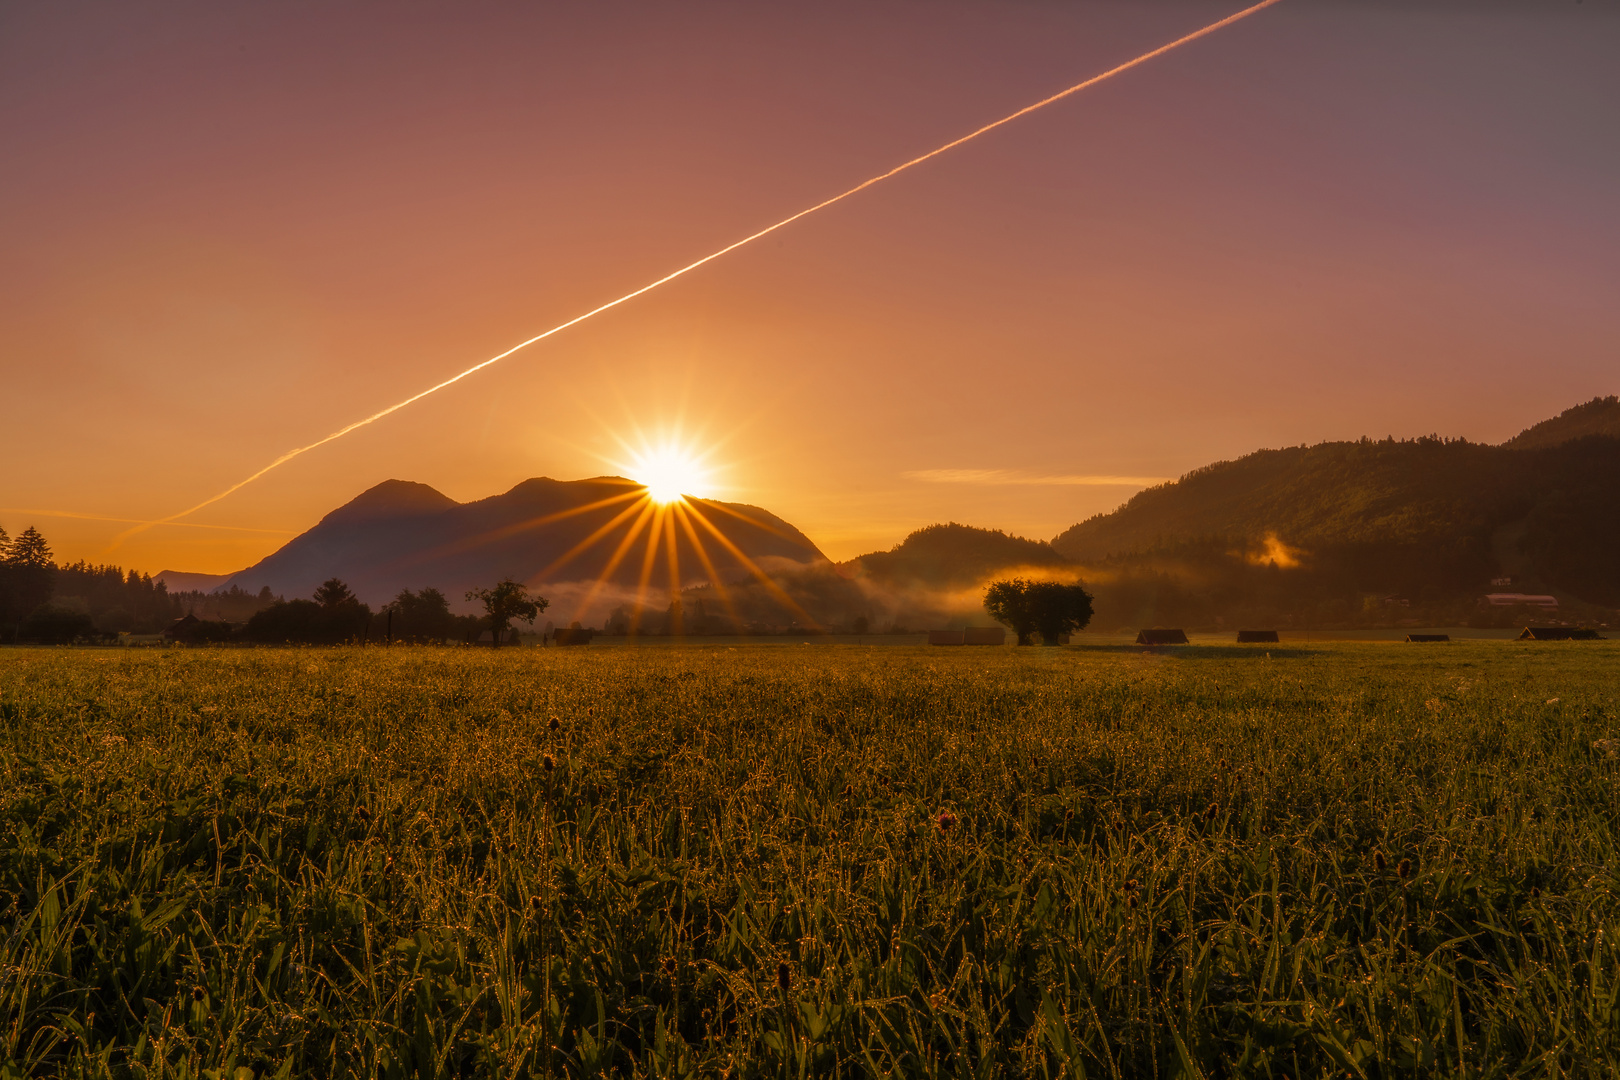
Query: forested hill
(952, 556)
(1446, 513)
(1600, 416)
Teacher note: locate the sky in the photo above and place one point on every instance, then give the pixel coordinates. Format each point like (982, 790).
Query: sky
(231, 228)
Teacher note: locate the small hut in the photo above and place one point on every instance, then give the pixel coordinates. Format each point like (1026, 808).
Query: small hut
(1159, 636)
(1559, 633)
(182, 629)
(1428, 637)
(1256, 637)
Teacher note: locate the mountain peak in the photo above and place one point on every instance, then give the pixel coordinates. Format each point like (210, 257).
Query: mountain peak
(392, 498)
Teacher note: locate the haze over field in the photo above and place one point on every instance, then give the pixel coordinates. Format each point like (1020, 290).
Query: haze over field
(232, 229)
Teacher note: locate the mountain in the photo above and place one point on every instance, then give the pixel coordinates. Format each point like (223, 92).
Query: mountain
(1600, 416)
(952, 557)
(183, 581)
(598, 538)
(1430, 516)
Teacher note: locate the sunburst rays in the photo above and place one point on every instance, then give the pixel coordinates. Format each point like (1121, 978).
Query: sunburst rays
(679, 536)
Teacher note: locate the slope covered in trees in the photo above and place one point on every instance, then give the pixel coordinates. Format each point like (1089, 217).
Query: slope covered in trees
(1600, 416)
(952, 555)
(1430, 517)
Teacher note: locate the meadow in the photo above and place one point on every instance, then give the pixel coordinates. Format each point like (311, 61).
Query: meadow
(1335, 859)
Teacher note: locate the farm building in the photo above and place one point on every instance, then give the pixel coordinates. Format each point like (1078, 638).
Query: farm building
(1255, 637)
(1514, 599)
(1559, 633)
(1159, 636)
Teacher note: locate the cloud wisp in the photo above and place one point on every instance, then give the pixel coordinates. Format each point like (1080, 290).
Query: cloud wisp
(1004, 477)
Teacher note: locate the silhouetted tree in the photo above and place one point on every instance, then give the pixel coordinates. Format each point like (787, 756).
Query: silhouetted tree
(50, 624)
(422, 616)
(508, 600)
(1049, 608)
(27, 576)
(334, 616)
(332, 593)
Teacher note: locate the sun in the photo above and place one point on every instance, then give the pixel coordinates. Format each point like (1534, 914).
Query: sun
(670, 473)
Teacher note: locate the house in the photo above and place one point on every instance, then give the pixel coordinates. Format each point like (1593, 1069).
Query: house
(1514, 599)
(181, 629)
(572, 635)
(1559, 633)
(1255, 637)
(1428, 637)
(946, 637)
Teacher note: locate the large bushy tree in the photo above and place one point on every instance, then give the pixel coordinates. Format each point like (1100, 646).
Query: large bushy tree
(334, 616)
(421, 616)
(1049, 608)
(507, 601)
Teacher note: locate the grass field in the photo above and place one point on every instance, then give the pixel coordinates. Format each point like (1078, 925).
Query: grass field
(1347, 859)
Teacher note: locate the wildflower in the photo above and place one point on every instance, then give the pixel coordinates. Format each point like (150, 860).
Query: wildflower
(548, 762)
(362, 813)
(669, 966)
(1535, 892)
(553, 724)
(1221, 764)
(784, 976)
(1130, 901)
(1405, 869)
(1209, 815)
(536, 904)
(1130, 883)
(1380, 862)
(198, 993)
(946, 821)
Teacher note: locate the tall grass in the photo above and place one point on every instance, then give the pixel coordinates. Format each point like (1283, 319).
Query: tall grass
(1362, 860)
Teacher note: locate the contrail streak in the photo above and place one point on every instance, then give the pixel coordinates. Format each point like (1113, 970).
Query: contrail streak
(142, 521)
(953, 144)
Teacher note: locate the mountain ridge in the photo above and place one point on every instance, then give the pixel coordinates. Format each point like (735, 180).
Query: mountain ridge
(548, 533)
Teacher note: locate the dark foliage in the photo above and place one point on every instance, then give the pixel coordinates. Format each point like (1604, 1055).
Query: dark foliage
(51, 624)
(1049, 608)
(509, 601)
(310, 623)
(420, 617)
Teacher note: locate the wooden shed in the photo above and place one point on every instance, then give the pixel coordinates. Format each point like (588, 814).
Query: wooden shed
(1559, 633)
(572, 635)
(1158, 636)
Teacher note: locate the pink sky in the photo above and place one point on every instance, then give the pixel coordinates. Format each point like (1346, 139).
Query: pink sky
(231, 228)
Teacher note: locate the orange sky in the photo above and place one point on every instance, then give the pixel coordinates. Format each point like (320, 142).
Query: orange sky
(231, 228)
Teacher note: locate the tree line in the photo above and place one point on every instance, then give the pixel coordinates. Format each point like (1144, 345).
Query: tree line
(41, 602)
(334, 615)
